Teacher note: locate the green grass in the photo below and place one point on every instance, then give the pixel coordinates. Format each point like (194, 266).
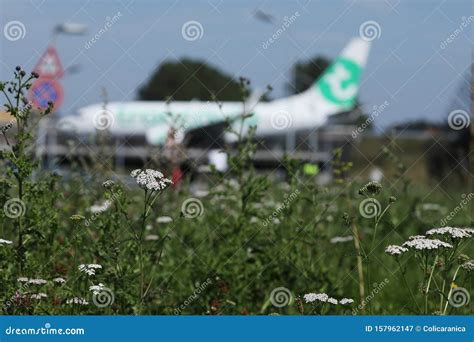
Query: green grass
(252, 245)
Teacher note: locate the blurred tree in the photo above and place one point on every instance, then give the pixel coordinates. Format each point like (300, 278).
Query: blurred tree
(188, 80)
(304, 74)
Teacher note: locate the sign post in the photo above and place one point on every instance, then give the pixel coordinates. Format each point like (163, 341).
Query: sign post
(47, 87)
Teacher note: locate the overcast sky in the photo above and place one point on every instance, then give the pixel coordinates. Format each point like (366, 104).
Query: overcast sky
(412, 66)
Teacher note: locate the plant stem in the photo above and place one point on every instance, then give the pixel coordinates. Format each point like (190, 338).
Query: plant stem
(428, 284)
(451, 290)
(407, 285)
(360, 267)
(140, 252)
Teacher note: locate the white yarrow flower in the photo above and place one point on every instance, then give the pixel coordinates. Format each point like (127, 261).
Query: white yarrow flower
(59, 280)
(89, 269)
(164, 219)
(151, 237)
(5, 242)
(201, 193)
(345, 301)
(39, 295)
(108, 184)
(426, 244)
(468, 265)
(395, 250)
(416, 237)
(96, 289)
(332, 300)
(22, 280)
(37, 281)
(150, 179)
(339, 239)
(77, 300)
(100, 208)
(453, 232)
(312, 297)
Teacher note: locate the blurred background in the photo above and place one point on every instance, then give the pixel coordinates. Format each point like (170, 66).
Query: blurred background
(414, 96)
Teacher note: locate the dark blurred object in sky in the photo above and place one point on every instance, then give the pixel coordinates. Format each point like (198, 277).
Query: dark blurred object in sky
(71, 28)
(263, 16)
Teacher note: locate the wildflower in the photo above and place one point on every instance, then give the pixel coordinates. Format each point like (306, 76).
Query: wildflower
(39, 295)
(415, 237)
(89, 269)
(201, 193)
(96, 289)
(395, 250)
(426, 244)
(150, 179)
(164, 219)
(76, 217)
(37, 281)
(338, 239)
(371, 188)
(22, 280)
(453, 232)
(108, 184)
(468, 266)
(77, 300)
(345, 301)
(462, 258)
(100, 208)
(312, 297)
(135, 173)
(5, 242)
(332, 300)
(151, 237)
(59, 280)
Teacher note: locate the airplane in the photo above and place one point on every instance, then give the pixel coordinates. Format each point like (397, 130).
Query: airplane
(334, 92)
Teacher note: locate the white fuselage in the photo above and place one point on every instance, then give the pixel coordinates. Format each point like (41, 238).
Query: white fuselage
(334, 92)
